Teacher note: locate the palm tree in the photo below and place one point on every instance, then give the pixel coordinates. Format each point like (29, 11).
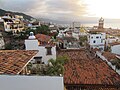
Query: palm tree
(56, 67)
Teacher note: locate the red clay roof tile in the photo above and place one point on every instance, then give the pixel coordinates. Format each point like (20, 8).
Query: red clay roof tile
(82, 68)
(12, 61)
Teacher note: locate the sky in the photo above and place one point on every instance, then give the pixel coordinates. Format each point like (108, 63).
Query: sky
(84, 10)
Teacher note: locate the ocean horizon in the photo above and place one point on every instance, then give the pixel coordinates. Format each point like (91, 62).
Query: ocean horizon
(106, 25)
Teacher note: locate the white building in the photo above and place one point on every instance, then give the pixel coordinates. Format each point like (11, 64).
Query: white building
(46, 50)
(12, 23)
(34, 25)
(115, 49)
(61, 34)
(97, 40)
(97, 37)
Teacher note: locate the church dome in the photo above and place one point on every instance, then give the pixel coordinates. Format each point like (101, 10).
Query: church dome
(32, 36)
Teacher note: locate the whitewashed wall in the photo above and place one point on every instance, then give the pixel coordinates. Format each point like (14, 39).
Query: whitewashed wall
(75, 35)
(109, 63)
(43, 51)
(115, 49)
(33, 45)
(31, 83)
(101, 37)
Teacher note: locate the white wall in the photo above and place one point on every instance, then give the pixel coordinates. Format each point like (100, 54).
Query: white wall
(75, 35)
(109, 63)
(7, 27)
(43, 51)
(115, 49)
(31, 83)
(33, 45)
(111, 40)
(98, 41)
(99, 47)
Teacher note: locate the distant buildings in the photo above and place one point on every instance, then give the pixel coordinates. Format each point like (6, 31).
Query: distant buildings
(101, 23)
(34, 25)
(13, 23)
(97, 40)
(97, 37)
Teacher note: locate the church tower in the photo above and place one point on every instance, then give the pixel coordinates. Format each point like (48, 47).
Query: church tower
(101, 23)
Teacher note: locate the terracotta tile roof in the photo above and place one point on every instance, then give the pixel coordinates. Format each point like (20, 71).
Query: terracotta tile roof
(114, 43)
(13, 61)
(42, 37)
(109, 55)
(44, 40)
(97, 30)
(82, 68)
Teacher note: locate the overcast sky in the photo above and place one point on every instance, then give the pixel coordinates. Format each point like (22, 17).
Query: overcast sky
(65, 9)
(46, 8)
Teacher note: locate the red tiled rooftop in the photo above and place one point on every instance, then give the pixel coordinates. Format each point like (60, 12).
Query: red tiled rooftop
(109, 55)
(44, 40)
(114, 43)
(83, 69)
(13, 61)
(42, 37)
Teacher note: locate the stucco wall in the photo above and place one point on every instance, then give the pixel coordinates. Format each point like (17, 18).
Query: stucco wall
(98, 41)
(31, 83)
(43, 51)
(115, 49)
(33, 45)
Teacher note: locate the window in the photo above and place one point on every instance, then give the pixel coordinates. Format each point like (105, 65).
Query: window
(97, 37)
(101, 41)
(94, 41)
(49, 52)
(38, 60)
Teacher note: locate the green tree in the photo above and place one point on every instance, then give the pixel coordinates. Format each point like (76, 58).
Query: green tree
(82, 39)
(43, 29)
(8, 46)
(56, 67)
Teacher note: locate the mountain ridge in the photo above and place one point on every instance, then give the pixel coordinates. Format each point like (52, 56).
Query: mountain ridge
(28, 17)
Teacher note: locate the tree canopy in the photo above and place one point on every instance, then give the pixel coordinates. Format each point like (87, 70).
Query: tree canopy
(56, 67)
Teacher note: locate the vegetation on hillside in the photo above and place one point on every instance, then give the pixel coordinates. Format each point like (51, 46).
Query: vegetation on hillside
(17, 41)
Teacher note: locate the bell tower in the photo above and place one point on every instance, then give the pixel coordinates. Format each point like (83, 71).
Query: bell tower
(101, 23)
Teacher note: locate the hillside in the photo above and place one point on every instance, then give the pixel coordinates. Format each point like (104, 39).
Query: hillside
(2, 12)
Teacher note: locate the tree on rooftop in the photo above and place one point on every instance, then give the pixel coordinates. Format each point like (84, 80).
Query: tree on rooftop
(82, 39)
(56, 67)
